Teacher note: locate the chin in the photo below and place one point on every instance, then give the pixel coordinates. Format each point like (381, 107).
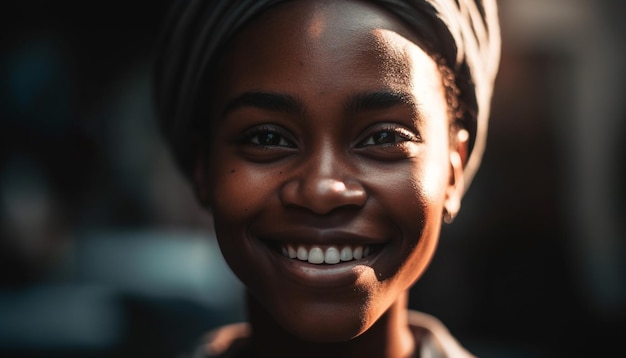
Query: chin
(319, 320)
(327, 328)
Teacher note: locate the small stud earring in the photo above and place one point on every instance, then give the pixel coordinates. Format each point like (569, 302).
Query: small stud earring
(448, 217)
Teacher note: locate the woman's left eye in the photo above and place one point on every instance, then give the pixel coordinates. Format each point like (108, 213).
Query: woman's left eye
(387, 137)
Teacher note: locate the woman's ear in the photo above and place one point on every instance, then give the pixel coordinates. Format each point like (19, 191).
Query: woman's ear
(456, 183)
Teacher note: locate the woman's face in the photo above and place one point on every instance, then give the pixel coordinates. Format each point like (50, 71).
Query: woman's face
(329, 164)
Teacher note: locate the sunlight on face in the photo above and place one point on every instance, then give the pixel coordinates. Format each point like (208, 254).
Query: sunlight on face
(329, 164)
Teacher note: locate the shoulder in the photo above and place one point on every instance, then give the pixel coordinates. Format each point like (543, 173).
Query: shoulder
(436, 339)
(230, 341)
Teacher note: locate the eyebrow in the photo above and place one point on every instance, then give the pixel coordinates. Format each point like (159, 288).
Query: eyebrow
(378, 100)
(270, 101)
(360, 102)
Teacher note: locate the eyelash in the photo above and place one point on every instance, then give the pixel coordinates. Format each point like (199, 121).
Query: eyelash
(252, 137)
(399, 135)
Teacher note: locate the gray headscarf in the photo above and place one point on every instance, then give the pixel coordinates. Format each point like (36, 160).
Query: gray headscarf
(464, 33)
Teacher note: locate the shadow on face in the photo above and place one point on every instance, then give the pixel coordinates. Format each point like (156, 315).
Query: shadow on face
(330, 164)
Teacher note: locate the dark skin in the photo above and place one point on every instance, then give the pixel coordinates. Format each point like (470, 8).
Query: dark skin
(330, 132)
(378, 341)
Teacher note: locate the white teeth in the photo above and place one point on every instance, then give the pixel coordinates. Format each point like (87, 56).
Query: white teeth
(291, 252)
(303, 254)
(330, 255)
(316, 255)
(357, 253)
(346, 253)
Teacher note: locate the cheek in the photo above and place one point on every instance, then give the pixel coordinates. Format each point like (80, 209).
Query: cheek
(430, 187)
(413, 190)
(412, 197)
(229, 191)
(237, 190)
(235, 199)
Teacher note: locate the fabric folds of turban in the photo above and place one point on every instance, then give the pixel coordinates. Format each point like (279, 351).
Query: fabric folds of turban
(465, 33)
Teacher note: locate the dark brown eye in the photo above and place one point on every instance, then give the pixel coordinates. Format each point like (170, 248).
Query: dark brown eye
(388, 137)
(267, 137)
(385, 138)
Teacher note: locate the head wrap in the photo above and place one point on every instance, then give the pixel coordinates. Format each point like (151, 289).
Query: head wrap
(464, 33)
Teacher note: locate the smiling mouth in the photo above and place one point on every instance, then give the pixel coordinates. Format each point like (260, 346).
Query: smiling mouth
(327, 254)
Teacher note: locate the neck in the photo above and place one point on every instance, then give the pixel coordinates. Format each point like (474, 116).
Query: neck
(388, 337)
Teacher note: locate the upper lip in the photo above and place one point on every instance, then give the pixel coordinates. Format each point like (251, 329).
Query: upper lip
(310, 236)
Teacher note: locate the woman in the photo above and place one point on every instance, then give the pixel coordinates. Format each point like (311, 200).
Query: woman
(329, 140)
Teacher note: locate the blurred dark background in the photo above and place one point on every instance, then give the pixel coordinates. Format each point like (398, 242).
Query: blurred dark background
(105, 253)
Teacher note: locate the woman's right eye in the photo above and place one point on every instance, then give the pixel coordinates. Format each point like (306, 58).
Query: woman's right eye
(268, 136)
(270, 139)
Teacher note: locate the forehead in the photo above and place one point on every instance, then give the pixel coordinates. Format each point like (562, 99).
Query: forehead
(331, 31)
(323, 52)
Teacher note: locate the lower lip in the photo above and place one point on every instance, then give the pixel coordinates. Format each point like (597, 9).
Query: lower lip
(324, 276)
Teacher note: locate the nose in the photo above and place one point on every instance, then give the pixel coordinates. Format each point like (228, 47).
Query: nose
(323, 185)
